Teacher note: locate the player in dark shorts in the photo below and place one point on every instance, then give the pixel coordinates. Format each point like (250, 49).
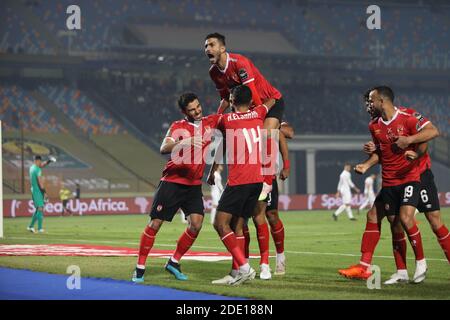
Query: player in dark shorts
(245, 179)
(229, 70)
(428, 202)
(401, 178)
(180, 185)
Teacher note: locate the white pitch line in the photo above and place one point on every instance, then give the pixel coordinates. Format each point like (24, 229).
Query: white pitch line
(219, 248)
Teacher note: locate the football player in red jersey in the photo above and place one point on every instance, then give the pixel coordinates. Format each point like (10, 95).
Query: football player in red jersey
(429, 199)
(401, 176)
(229, 70)
(242, 132)
(180, 185)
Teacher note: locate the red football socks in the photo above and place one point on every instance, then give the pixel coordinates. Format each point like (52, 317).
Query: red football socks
(278, 236)
(399, 248)
(184, 243)
(146, 244)
(241, 244)
(444, 240)
(369, 242)
(262, 232)
(416, 242)
(230, 242)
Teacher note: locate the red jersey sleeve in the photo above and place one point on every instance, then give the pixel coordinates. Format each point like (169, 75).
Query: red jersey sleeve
(413, 124)
(170, 133)
(420, 117)
(213, 120)
(247, 77)
(262, 111)
(245, 71)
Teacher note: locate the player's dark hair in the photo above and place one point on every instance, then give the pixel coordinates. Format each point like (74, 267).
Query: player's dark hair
(386, 92)
(242, 95)
(37, 157)
(185, 99)
(216, 35)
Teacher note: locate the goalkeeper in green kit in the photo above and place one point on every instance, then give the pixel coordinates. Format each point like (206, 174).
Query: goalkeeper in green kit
(38, 191)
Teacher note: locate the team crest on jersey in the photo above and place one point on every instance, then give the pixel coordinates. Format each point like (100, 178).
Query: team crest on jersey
(386, 206)
(159, 208)
(400, 130)
(243, 74)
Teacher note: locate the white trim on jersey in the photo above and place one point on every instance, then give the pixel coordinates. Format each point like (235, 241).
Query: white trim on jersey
(423, 126)
(248, 81)
(226, 64)
(390, 121)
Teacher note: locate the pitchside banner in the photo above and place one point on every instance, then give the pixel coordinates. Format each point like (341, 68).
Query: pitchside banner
(142, 205)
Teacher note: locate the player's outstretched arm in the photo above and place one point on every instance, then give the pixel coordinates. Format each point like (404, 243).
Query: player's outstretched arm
(366, 165)
(428, 133)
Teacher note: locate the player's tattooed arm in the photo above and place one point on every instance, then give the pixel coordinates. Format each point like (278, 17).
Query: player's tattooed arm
(366, 165)
(427, 133)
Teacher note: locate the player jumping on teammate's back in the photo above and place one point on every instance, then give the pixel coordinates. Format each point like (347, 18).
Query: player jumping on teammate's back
(229, 70)
(180, 185)
(401, 181)
(245, 178)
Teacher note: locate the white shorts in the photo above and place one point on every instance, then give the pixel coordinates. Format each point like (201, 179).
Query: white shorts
(371, 197)
(215, 196)
(346, 197)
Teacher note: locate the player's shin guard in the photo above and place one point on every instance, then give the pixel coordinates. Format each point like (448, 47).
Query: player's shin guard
(415, 239)
(184, 243)
(247, 241)
(278, 236)
(369, 242)
(146, 244)
(262, 232)
(399, 249)
(230, 242)
(241, 244)
(443, 236)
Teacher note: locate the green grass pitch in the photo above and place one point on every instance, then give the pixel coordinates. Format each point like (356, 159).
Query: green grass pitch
(316, 247)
